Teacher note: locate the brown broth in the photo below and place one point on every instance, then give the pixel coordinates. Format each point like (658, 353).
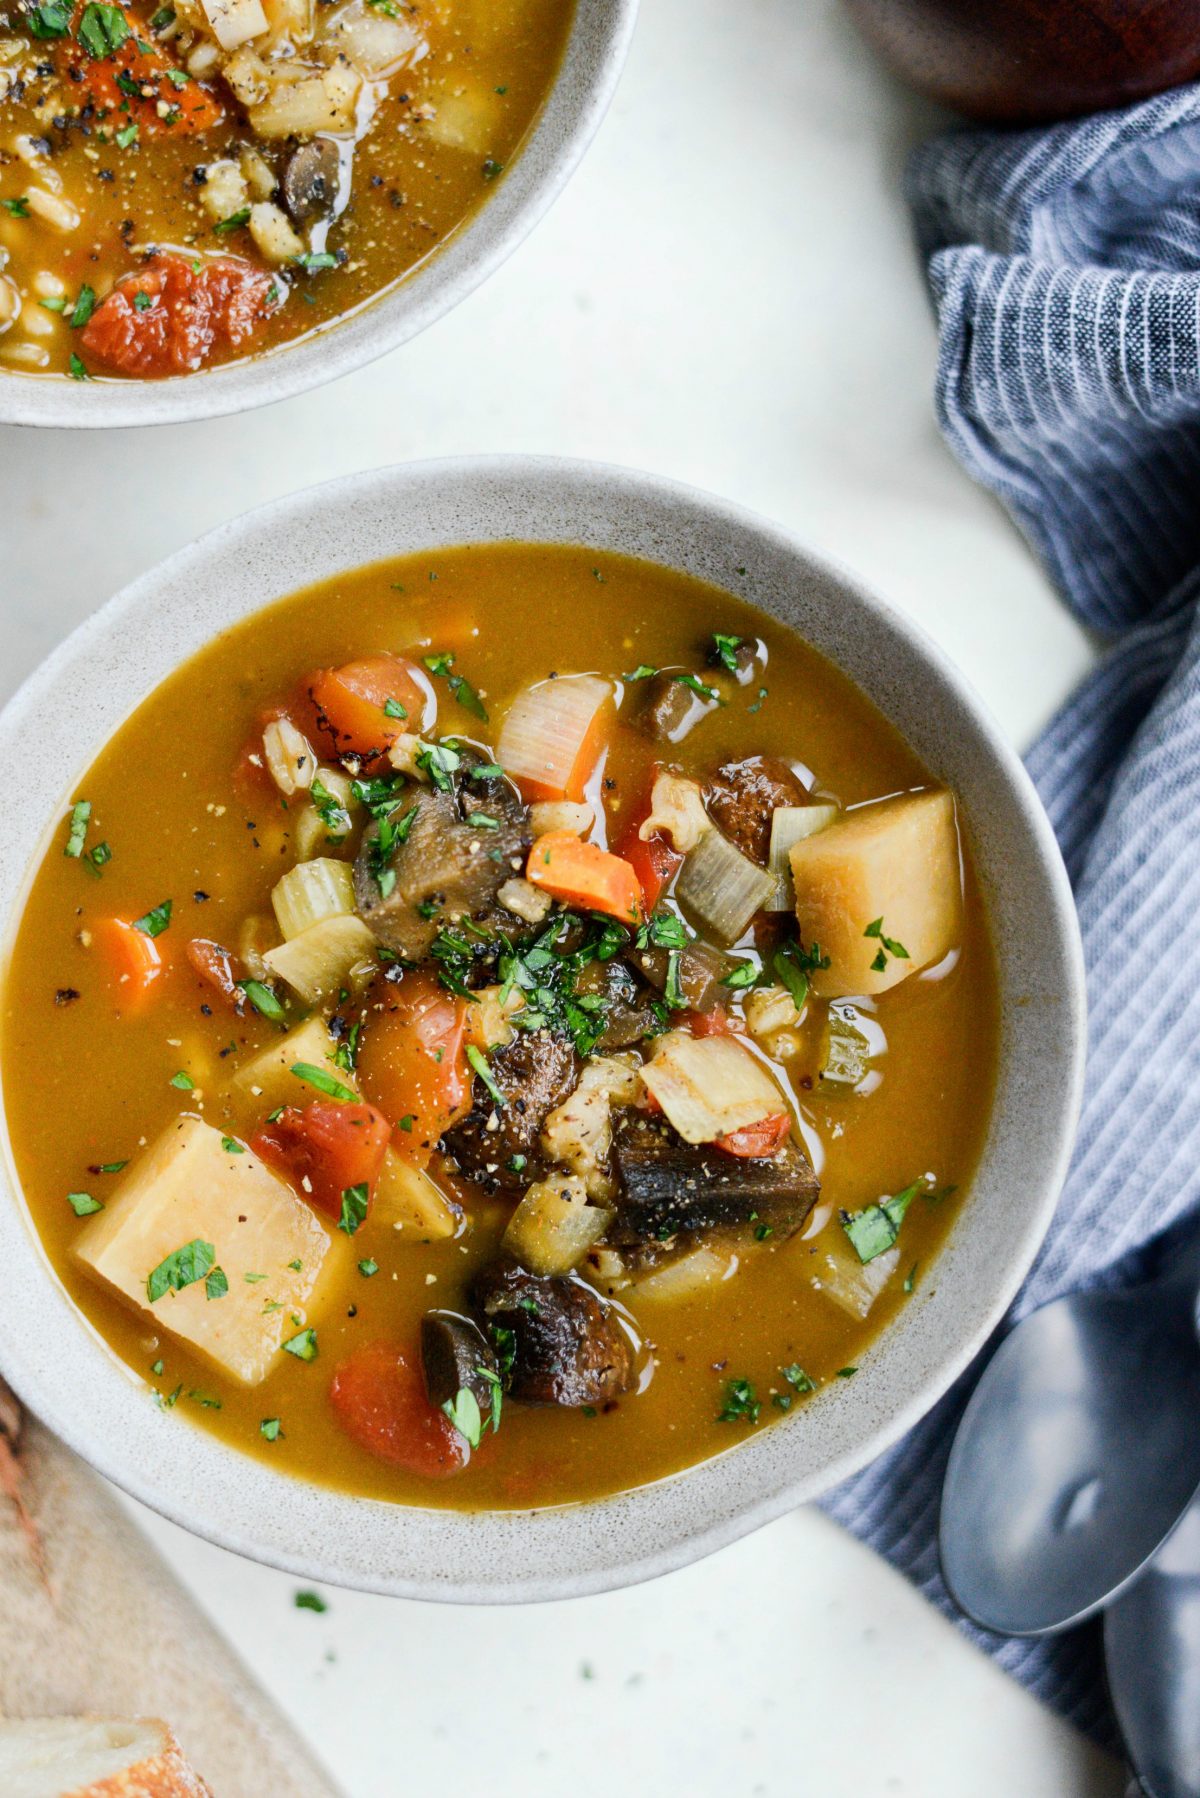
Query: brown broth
(431, 143)
(84, 1086)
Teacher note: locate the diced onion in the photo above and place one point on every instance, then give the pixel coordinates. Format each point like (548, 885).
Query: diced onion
(311, 891)
(375, 43)
(304, 103)
(235, 22)
(723, 887)
(676, 811)
(791, 824)
(286, 750)
(545, 731)
(688, 1277)
(554, 1226)
(323, 959)
(709, 1086)
(846, 1280)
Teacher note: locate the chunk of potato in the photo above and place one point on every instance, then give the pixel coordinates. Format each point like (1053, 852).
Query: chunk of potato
(407, 1199)
(303, 101)
(188, 1185)
(896, 860)
(267, 1078)
(554, 1226)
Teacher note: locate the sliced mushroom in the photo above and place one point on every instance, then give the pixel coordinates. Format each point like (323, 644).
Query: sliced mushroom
(456, 1356)
(311, 181)
(562, 1344)
(535, 1073)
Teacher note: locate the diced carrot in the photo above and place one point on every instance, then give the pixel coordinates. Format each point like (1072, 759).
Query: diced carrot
(135, 959)
(324, 1149)
(584, 875)
(378, 1397)
(362, 708)
(412, 1061)
(129, 85)
(214, 965)
(764, 1138)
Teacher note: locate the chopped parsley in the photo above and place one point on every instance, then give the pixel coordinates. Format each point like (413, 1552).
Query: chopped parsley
(793, 964)
(234, 222)
(311, 1601)
(194, 1261)
(330, 811)
(269, 1427)
(127, 135)
(183, 1080)
(725, 650)
(797, 1379)
(887, 946)
(368, 1267)
(910, 1278)
(479, 1062)
(232, 1146)
(324, 1083)
(643, 671)
(874, 1229)
(77, 827)
(461, 688)
(85, 305)
(390, 833)
(264, 1000)
(464, 1413)
(77, 368)
(745, 974)
(154, 922)
(492, 168)
(441, 762)
(303, 1345)
(313, 261)
(354, 1208)
(740, 1405)
(695, 685)
(83, 1204)
(51, 19)
(102, 29)
(19, 208)
(217, 1284)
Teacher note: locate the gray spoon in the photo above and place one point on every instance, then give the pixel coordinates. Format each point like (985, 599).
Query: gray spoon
(1077, 1454)
(1152, 1649)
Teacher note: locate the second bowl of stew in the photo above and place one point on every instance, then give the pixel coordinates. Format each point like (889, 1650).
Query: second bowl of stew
(561, 1019)
(212, 204)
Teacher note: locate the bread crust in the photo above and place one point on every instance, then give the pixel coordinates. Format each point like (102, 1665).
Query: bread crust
(166, 1774)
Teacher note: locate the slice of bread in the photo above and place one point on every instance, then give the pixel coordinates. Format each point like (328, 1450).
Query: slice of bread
(94, 1757)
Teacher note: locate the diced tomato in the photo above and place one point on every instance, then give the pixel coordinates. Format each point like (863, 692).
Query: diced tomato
(584, 875)
(764, 1138)
(412, 1061)
(717, 1022)
(196, 310)
(215, 967)
(654, 862)
(352, 706)
(325, 1148)
(127, 86)
(136, 961)
(379, 1398)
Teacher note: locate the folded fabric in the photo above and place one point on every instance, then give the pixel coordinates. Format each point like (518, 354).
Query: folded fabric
(1065, 269)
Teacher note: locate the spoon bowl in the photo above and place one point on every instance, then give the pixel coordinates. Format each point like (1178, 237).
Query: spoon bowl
(1075, 1459)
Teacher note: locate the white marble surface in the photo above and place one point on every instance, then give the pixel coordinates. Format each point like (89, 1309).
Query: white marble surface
(726, 294)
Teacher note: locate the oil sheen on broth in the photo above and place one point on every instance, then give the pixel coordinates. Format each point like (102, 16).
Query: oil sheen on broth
(182, 814)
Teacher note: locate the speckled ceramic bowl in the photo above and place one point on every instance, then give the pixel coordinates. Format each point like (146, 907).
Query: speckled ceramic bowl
(591, 67)
(61, 1368)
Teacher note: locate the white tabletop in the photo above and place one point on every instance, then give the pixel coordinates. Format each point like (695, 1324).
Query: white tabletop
(727, 294)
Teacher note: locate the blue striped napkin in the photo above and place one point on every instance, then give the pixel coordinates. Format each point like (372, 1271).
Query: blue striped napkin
(1065, 269)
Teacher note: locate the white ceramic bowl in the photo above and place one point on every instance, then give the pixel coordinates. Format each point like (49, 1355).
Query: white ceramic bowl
(79, 697)
(592, 63)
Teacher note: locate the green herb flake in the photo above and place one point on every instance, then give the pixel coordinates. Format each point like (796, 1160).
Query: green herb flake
(324, 1082)
(85, 305)
(479, 1062)
(18, 208)
(127, 135)
(264, 1000)
(56, 303)
(77, 827)
(232, 1146)
(643, 671)
(303, 1345)
(83, 1204)
(740, 1404)
(910, 1278)
(797, 1379)
(313, 261)
(368, 1267)
(51, 19)
(464, 1413)
(183, 1080)
(183, 1267)
(695, 685)
(77, 369)
(887, 946)
(153, 923)
(102, 29)
(725, 650)
(156, 1368)
(460, 688)
(354, 1208)
(874, 1229)
(110, 1167)
(217, 1284)
(745, 974)
(492, 168)
(234, 222)
(846, 1373)
(793, 965)
(311, 1601)
(269, 1427)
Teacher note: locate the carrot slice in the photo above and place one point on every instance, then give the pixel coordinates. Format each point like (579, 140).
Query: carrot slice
(363, 707)
(214, 965)
(135, 959)
(764, 1138)
(584, 875)
(128, 85)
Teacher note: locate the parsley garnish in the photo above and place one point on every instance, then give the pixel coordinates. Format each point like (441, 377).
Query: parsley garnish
(887, 946)
(464, 1413)
(194, 1261)
(793, 964)
(264, 1000)
(874, 1229)
(311, 1601)
(330, 810)
(217, 1284)
(324, 1083)
(77, 368)
(740, 1403)
(51, 19)
(83, 1204)
(19, 208)
(234, 222)
(440, 761)
(354, 1208)
(725, 651)
(85, 305)
(643, 671)
(81, 812)
(479, 1062)
(303, 1345)
(154, 922)
(102, 29)
(460, 688)
(127, 135)
(232, 1146)
(269, 1427)
(695, 685)
(313, 261)
(183, 1080)
(368, 1267)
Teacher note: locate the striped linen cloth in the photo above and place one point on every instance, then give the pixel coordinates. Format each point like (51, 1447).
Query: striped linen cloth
(1065, 269)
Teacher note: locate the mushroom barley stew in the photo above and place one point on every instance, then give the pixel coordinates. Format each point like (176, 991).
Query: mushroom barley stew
(514, 1013)
(182, 186)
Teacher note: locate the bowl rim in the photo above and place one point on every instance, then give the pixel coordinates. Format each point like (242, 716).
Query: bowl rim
(234, 1500)
(571, 114)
